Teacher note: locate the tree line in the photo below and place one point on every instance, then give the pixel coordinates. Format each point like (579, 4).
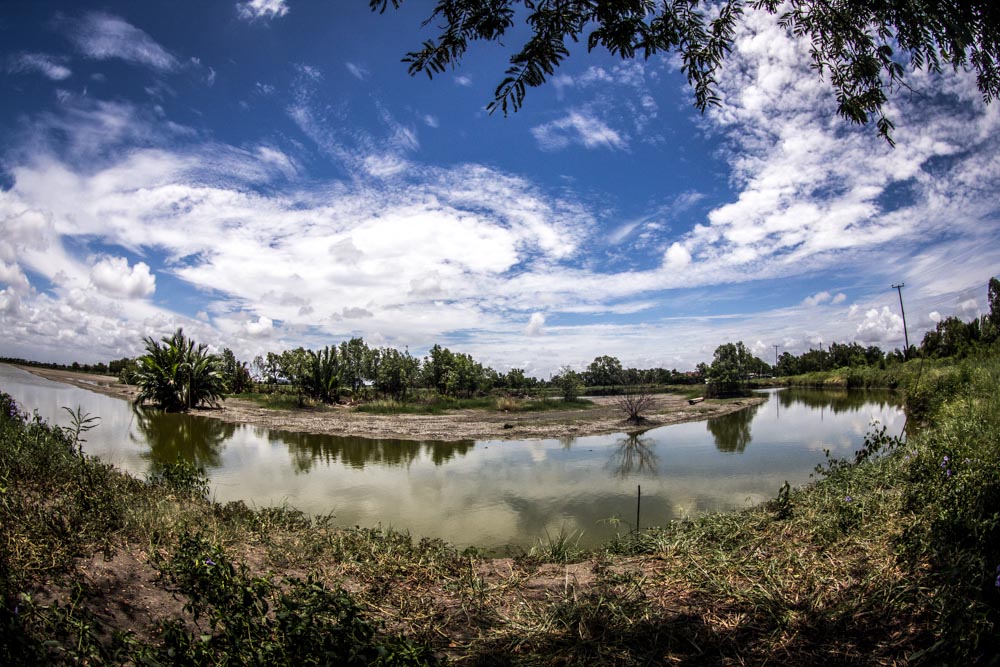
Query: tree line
(176, 373)
(951, 337)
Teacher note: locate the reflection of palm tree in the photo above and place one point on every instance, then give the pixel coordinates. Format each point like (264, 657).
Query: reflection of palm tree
(634, 455)
(198, 440)
(308, 448)
(732, 431)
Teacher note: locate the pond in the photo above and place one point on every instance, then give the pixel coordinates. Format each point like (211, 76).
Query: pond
(489, 494)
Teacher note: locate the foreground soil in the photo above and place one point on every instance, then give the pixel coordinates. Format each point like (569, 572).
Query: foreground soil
(602, 418)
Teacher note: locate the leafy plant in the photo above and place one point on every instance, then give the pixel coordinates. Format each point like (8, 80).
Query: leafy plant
(253, 621)
(176, 375)
(183, 478)
(81, 422)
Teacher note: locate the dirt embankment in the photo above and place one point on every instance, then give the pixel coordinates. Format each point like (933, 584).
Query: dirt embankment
(604, 417)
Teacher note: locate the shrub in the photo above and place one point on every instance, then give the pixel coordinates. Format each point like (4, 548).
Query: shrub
(177, 375)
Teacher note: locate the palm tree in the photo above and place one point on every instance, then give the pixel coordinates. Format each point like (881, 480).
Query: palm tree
(177, 375)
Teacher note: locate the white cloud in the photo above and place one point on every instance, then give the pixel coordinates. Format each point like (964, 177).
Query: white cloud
(13, 277)
(278, 159)
(880, 326)
(44, 64)
(816, 299)
(103, 36)
(969, 308)
(358, 72)
(475, 253)
(10, 303)
(263, 326)
(577, 128)
(535, 325)
(261, 9)
(677, 257)
(113, 275)
(463, 80)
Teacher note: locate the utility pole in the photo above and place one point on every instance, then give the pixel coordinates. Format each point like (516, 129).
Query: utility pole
(906, 336)
(776, 356)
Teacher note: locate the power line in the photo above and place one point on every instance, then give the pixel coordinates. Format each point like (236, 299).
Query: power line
(906, 336)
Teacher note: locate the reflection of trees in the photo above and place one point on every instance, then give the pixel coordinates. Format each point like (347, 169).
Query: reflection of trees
(172, 435)
(732, 431)
(634, 455)
(308, 448)
(835, 400)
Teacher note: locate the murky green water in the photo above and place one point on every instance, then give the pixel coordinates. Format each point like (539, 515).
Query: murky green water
(487, 493)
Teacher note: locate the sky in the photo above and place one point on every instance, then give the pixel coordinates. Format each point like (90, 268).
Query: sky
(266, 174)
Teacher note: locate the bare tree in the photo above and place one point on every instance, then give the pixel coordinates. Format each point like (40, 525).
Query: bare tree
(633, 403)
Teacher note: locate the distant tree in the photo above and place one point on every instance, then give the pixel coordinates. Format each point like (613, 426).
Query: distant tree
(729, 373)
(787, 365)
(862, 47)
(874, 355)
(398, 373)
(990, 324)
(353, 356)
(515, 381)
(235, 374)
(569, 383)
(436, 366)
(951, 337)
(175, 374)
(323, 374)
(603, 372)
(294, 367)
(465, 376)
(267, 368)
(125, 368)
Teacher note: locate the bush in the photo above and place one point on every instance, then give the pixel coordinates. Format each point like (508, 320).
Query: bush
(177, 375)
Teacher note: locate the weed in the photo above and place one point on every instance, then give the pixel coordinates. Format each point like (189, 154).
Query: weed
(81, 422)
(559, 548)
(183, 478)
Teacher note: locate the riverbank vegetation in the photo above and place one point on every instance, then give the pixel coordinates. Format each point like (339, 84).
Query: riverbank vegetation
(889, 557)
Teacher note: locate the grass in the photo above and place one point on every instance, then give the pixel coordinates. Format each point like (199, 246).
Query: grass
(897, 376)
(272, 401)
(889, 557)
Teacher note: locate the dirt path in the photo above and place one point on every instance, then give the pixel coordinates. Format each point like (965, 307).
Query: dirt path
(603, 418)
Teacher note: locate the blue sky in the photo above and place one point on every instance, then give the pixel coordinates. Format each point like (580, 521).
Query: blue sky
(266, 174)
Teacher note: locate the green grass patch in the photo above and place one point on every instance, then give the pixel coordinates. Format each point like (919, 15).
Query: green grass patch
(272, 401)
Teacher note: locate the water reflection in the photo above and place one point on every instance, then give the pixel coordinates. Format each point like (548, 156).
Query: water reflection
(835, 400)
(634, 455)
(309, 449)
(732, 432)
(171, 435)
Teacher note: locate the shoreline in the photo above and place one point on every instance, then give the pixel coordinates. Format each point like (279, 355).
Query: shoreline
(458, 425)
